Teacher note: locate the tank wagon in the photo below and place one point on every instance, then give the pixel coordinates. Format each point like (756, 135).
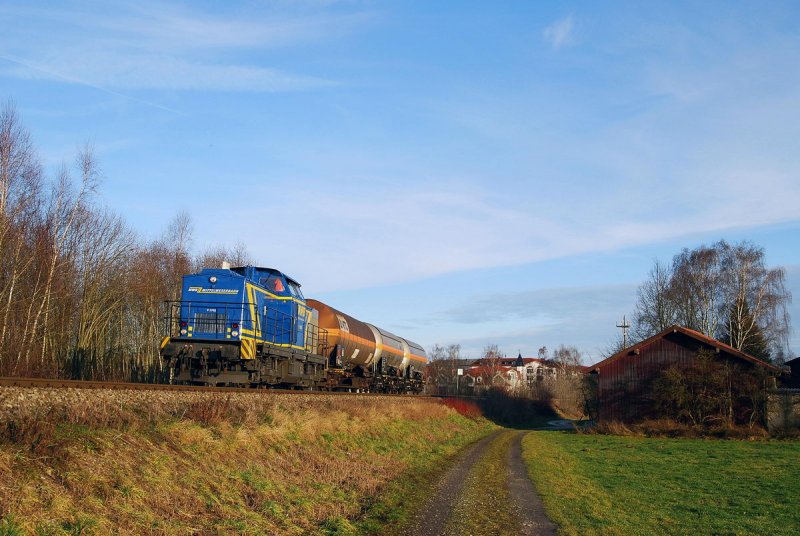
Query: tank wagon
(251, 326)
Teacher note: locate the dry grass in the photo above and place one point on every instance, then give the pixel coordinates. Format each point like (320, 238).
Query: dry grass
(138, 462)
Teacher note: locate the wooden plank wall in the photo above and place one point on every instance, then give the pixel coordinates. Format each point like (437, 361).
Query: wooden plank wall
(622, 385)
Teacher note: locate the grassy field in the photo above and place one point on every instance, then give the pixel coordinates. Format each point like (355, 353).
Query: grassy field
(595, 484)
(165, 463)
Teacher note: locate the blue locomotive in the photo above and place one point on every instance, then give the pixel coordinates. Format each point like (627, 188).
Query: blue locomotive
(251, 326)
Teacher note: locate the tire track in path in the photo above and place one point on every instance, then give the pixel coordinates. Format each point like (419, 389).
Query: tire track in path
(487, 492)
(431, 520)
(533, 519)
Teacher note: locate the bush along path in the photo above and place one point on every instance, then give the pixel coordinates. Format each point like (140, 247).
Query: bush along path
(487, 492)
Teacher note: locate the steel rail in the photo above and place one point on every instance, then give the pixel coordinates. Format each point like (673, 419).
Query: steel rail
(45, 383)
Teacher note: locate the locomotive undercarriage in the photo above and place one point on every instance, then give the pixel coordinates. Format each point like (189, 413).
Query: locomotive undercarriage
(220, 364)
(197, 363)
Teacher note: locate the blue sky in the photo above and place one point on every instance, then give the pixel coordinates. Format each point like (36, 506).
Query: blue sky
(470, 172)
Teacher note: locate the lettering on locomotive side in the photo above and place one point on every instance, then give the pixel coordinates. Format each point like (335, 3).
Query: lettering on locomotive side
(201, 290)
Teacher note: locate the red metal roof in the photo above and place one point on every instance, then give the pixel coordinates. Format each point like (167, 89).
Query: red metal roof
(691, 333)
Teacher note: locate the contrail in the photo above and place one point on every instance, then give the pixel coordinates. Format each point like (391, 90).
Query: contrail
(74, 80)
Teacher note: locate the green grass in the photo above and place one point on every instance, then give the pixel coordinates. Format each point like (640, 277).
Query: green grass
(9, 527)
(593, 484)
(483, 504)
(390, 512)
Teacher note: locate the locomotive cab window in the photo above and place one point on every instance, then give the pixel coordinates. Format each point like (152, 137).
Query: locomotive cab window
(272, 283)
(295, 290)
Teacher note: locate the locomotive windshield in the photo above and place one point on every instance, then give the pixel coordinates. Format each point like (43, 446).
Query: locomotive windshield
(295, 290)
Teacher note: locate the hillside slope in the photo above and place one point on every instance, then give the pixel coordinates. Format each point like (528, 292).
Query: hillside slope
(138, 462)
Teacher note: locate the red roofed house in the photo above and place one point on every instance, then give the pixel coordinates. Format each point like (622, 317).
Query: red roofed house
(624, 379)
(514, 374)
(484, 376)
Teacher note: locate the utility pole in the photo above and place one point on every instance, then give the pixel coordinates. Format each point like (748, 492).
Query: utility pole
(624, 326)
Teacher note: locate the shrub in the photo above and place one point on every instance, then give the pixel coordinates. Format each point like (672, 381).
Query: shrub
(672, 428)
(709, 392)
(465, 407)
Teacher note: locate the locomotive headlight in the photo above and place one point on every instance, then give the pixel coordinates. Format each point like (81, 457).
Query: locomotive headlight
(234, 333)
(212, 279)
(183, 332)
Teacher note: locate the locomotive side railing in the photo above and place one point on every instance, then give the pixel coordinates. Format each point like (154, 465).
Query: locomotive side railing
(280, 328)
(219, 320)
(317, 340)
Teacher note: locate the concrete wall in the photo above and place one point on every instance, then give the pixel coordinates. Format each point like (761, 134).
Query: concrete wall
(783, 410)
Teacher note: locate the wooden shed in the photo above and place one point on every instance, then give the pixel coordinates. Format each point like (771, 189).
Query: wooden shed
(794, 375)
(623, 380)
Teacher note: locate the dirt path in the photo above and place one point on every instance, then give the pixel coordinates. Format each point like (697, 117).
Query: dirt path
(533, 519)
(487, 492)
(431, 520)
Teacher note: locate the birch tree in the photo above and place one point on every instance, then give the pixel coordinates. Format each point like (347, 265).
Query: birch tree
(655, 307)
(724, 291)
(20, 190)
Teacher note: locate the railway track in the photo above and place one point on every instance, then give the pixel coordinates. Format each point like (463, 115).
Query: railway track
(43, 383)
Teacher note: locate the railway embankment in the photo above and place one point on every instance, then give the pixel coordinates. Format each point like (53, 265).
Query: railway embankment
(78, 461)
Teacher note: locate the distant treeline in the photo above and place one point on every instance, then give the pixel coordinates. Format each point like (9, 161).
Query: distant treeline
(81, 294)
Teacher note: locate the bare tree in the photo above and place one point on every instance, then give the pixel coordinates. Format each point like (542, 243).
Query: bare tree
(616, 345)
(442, 370)
(567, 357)
(103, 267)
(213, 257)
(20, 199)
(655, 307)
(724, 291)
(178, 240)
(490, 364)
(436, 373)
(566, 385)
(62, 216)
(756, 299)
(453, 352)
(695, 288)
(240, 255)
(179, 232)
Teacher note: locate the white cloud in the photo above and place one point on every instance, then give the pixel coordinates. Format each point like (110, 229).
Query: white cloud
(108, 70)
(379, 235)
(162, 47)
(525, 320)
(555, 304)
(561, 33)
